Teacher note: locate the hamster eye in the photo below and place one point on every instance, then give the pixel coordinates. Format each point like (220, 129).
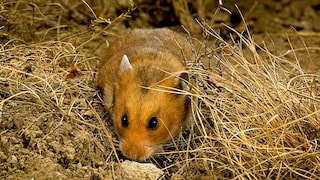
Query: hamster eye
(125, 121)
(153, 123)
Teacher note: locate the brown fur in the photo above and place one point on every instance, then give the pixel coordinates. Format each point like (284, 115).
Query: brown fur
(157, 58)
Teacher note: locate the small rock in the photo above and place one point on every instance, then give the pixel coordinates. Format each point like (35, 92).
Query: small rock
(13, 159)
(135, 170)
(3, 157)
(70, 153)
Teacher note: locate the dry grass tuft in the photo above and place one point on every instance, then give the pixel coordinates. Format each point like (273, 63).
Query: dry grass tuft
(255, 115)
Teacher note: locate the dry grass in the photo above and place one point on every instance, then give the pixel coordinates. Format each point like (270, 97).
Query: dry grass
(259, 118)
(255, 115)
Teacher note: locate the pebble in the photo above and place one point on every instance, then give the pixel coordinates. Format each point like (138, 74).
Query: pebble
(135, 170)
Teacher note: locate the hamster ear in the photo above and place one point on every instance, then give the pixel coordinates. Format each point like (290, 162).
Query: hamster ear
(183, 79)
(125, 64)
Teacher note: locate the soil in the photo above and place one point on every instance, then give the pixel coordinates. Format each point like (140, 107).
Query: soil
(44, 140)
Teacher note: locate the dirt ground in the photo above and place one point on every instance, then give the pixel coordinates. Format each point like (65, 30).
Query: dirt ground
(52, 131)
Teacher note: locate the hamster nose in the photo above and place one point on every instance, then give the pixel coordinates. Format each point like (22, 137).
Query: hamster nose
(137, 152)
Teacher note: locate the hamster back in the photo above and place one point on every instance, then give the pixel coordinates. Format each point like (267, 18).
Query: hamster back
(143, 80)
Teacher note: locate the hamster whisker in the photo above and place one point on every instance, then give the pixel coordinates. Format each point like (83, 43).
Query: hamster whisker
(116, 144)
(157, 161)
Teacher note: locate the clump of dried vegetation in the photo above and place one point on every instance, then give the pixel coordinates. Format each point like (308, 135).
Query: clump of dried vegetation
(256, 115)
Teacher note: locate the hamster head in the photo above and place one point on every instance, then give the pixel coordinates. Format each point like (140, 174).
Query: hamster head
(145, 115)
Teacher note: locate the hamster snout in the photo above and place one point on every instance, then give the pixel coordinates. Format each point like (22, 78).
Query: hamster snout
(139, 151)
(144, 82)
